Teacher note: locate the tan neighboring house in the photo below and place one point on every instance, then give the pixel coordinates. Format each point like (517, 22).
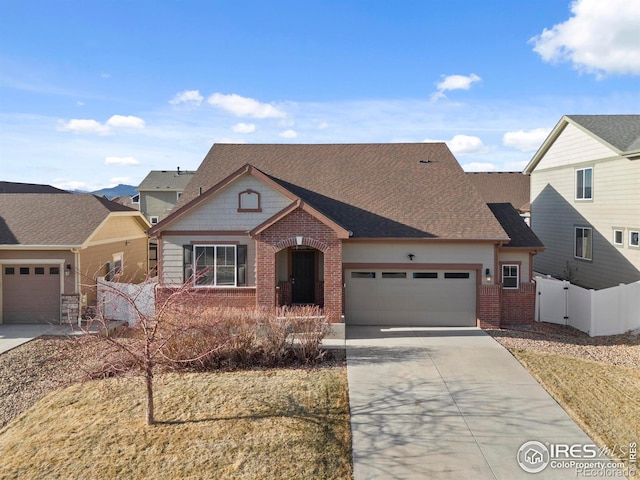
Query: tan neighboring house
(504, 187)
(375, 234)
(160, 191)
(52, 248)
(585, 200)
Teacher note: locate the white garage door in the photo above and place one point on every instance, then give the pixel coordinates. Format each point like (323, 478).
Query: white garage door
(30, 294)
(410, 297)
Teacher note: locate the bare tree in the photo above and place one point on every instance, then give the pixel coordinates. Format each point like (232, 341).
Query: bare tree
(141, 347)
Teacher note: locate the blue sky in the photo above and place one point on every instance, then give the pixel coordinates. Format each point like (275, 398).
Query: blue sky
(95, 93)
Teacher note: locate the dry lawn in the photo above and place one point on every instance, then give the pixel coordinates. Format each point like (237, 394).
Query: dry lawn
(281, 423)
(603, 399)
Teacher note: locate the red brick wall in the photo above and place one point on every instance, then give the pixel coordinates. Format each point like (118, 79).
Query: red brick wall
(316, 235)
(489, 306)
(518, 306)
(213, 297)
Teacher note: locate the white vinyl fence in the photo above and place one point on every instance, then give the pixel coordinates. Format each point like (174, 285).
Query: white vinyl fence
(123, 301)
(597, 312)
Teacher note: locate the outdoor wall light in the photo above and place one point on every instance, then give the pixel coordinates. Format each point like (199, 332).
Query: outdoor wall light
(410, 255)
(67, 270)
(487, 274)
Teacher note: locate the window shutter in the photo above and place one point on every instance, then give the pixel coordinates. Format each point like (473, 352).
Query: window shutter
(241, 265)
(187, 261)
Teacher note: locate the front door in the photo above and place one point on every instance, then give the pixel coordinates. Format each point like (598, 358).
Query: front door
(302, 276)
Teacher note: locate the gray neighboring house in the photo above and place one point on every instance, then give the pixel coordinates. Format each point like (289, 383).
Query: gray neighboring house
(160, 191)
(585, 200)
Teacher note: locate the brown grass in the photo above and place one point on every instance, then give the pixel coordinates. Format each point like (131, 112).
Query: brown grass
(603, 399)
(281, 423)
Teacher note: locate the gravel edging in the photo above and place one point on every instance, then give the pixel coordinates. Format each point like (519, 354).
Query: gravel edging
(619, 350)
(30, 371)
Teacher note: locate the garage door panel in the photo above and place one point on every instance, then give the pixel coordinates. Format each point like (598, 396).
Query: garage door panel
(417, 300)
(30, 294)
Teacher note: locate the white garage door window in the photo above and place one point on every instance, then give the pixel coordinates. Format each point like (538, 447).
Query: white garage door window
(410, 297)
(31, 293)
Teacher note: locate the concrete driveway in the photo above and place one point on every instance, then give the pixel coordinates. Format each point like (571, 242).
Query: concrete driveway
(431, 403)
(12, 336)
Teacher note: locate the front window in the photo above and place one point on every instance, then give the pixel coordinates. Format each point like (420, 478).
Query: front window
(634, 238)
(584, 184)
(584, 241)
(215, 265)
(617, 237)
(510, 276)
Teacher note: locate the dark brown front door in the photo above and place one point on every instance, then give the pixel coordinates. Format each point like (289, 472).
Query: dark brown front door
(302, 276)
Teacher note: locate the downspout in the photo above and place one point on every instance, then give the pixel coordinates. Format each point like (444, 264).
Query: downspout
(76, 281)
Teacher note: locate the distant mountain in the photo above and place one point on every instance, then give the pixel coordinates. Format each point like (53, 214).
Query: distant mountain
(117, 191)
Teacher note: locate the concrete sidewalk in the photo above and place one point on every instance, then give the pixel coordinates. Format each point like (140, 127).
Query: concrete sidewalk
(431, 403)
(12, 336)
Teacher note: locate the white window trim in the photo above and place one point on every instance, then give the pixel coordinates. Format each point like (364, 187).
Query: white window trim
(616, 230)
(575, 236)
(157, 219)
(215, 258)
(575, 190)
(133, 199)
(517, 275)
(178, 195)
(631, 245)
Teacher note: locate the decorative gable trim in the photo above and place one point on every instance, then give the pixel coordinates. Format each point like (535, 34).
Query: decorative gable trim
(199, 200)
(340, 231)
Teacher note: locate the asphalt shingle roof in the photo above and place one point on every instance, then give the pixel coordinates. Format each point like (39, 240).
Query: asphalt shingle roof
(169, 180)
(503, 187)
(415, 190)
(14, 187)
(52, 219)
(620, 131)
(519, 232)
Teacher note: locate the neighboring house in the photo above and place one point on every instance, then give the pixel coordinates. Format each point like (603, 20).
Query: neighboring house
(504, 187)
(52, 248)
(384, 234)
(585, 200)
(14, 187)
(160, 191)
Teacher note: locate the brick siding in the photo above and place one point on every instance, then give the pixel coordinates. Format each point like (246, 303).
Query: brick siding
(489, 306)
(314, 234)
(213, 297)
(518, 306)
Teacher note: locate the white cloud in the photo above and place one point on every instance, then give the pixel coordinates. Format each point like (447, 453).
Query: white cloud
(122, 121)
(90, 126)
(188, 97)
(122, 161)
(245, 107)
(323, 125)
(105, 75)
(479, 167)
(80, 104)
(600, 38)
(244, 128)
(77, 125)
(288, 134)
(526, 141)
(454, 82)
(465, 144)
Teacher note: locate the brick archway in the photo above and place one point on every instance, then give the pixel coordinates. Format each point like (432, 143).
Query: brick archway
(315, 234)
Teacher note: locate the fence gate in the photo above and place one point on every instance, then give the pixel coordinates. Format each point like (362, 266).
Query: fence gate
(553, 300)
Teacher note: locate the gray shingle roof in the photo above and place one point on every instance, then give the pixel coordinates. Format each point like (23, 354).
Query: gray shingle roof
(519, 232)
(168, 180)
(52, 219)
(15, 187)
(619, 131)
(415, 190)
(503, 187)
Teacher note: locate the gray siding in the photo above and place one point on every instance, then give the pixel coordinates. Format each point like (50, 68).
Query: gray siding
(221, 211)
(172, 255)
(555, 213)
(157, 204)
